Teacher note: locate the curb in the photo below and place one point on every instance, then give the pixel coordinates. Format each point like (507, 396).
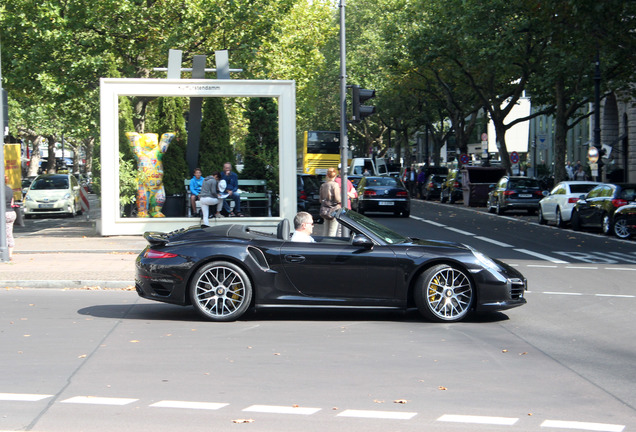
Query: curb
(68, 284)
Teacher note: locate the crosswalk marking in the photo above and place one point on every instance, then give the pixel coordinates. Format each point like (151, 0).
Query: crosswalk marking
(188, 405)
(281, 409)
(601, 427)
(503, 421)
(95, 400)
(393, 415)
(23, 397)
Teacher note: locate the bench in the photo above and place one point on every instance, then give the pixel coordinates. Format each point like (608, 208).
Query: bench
(254, 196)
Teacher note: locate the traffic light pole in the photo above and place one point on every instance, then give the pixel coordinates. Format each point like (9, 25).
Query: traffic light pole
(344, 142)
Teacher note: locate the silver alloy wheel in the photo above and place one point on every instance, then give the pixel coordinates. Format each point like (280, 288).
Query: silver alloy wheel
(221, 291)
(621, 230)
(559, 219)
(445, 294)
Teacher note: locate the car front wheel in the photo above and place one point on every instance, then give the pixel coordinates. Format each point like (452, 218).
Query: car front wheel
(444, 294)
(542, 220)
(221, 291)
(621, 230)
(559, 219)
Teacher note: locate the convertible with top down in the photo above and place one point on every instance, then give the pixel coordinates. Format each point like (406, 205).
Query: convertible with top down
(225, 270)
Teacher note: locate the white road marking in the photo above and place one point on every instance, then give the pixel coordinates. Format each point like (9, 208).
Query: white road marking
(542, 266)
(23, 397)
(273, 409)
(505, 421)
(543, 257)
(495, 242)
(562, 293)
(581, 268)
(394, 415)
(604, 427)
(615, 295)
(620, 268)
(95, 400)
(457, 230)
(189, 405)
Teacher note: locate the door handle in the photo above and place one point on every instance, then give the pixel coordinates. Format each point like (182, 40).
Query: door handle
(294, 258)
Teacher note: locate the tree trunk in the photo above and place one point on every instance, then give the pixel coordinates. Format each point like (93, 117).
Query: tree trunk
(560, 132)
(50, 165)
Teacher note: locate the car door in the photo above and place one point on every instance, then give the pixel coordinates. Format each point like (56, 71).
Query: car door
(549, 204)
(591, 209)
(340, 270)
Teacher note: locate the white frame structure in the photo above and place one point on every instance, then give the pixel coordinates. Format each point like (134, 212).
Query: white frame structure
(110, 91)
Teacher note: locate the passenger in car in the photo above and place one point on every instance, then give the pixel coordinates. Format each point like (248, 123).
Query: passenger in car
(303, 226)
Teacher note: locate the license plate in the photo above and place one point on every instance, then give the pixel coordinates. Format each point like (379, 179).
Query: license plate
(386, 203)
(525, 195)
(46, 205)
(317, 197)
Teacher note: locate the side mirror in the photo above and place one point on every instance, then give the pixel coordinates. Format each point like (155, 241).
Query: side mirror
(363, 241)
(545, 193)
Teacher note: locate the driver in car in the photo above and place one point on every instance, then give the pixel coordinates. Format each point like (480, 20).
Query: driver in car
(303, 226)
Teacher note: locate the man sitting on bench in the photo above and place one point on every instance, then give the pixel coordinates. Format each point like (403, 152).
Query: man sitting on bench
(195, 189)
(231, 180)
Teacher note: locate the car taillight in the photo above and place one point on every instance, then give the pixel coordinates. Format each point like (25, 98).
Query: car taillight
(431, 185)
(508, 193)
(456, 184)
(617, 202)
(539, 193)
(151, 253)
(369, 193)
(402, 193)
(573, 200)
(303, 195)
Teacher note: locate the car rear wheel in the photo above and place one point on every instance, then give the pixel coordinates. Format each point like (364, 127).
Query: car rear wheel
(444, 293)
(221, 291)
(541, 219)
(559, 219)
(621, 230)
(607, 224)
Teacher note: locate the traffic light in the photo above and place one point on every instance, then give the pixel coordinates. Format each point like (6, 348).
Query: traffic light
(360, 95)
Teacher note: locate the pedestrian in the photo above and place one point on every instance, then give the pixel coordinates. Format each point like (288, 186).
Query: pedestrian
(330, 202)
(366, 172)
(221, 185)
(231, 178)
(208, 197)
(352, 193)
(580, 174)
(9, 215)
(195, 189)
(303, 226)
(569, 170)
(421, 182)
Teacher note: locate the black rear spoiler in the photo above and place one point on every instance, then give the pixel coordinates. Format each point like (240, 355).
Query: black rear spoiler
(156, 238)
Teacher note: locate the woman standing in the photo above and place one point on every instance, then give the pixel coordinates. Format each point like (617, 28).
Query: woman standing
(9, 215)
(208, 197)
(330, 202)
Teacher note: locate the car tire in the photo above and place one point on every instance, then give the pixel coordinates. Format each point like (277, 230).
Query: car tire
(621, 228)
(444, 294)
(451, 198)
(540, 217)
(606, 224)
(220, 291)
(406, 214)
(559, 219)
(576, 221)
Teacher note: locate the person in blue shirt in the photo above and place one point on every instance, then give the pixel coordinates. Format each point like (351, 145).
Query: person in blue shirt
(195, 189)
(231, 180)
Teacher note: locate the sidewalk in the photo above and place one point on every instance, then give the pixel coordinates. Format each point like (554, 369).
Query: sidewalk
(72, 257)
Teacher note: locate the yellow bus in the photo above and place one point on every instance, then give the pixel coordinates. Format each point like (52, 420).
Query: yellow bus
(321, 150)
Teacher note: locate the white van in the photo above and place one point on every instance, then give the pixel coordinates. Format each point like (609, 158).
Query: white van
(376, 167)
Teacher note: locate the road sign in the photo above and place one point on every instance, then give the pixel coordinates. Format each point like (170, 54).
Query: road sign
(484, 136)
(514, 157)
(464, 159)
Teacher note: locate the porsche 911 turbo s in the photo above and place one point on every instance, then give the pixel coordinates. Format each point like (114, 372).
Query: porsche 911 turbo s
(224, 270)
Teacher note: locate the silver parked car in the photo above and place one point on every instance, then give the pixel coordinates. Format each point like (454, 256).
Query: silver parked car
(557, 207)
(53, 194)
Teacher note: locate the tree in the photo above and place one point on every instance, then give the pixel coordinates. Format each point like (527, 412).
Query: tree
(215, 148)
(261, 143)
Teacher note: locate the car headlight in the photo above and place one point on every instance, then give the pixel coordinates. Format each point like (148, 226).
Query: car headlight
(28, 198)
(67, 196)
(488, 264)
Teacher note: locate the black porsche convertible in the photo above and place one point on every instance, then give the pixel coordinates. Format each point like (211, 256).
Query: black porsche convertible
(226, 269)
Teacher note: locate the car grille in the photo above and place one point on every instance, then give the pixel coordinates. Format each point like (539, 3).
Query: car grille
(517, 287)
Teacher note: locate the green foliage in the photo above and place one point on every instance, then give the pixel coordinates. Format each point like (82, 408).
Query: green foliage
(214, 147)
(261, 144)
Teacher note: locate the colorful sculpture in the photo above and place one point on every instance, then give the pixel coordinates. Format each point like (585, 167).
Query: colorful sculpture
(149, 154)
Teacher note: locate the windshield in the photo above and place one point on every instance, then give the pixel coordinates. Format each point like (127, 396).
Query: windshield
(382, 181)
(50, 183)
(389, 236)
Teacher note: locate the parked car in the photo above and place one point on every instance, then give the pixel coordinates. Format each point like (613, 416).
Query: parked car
(226, 269)
(382, 194)
(596, 209)
(625, 221)
(53, 194)
(432, 188)
(308, 194)
(26, 183)
(452, 187)
(557, 207)
(354, 179)
(515, 193)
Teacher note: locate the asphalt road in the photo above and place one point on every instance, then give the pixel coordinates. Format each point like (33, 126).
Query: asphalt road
(107, 360)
